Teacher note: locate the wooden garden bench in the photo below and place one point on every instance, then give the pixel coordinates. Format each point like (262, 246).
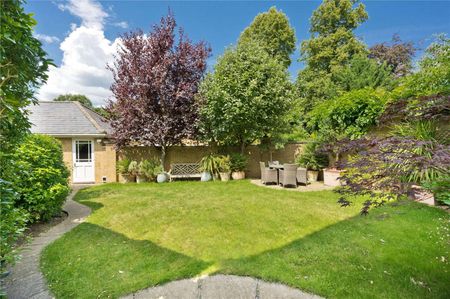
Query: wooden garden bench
(185, 170)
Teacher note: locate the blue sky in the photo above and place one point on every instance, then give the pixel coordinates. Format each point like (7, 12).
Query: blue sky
(220, 22)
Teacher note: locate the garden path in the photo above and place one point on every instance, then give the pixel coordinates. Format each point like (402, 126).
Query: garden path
(26, 279)
(221, 287)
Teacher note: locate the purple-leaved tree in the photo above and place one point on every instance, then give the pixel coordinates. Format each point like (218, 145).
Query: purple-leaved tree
(156, 77)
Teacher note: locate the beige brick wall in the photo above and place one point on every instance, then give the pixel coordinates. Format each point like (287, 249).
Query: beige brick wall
(67, 154)
(187, 154)
(104, 156)
(105, 162)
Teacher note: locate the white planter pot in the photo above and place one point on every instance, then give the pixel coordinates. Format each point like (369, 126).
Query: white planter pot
(206, 176)
(141, 179)
(238, 175)
(162, 178)
(224, 176)
(313, 175)
(330, 177)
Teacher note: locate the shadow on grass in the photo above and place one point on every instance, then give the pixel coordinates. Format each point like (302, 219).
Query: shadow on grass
(388, 254)
(91, 261)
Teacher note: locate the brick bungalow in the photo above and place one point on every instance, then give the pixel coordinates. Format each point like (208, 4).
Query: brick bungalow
(85, 136)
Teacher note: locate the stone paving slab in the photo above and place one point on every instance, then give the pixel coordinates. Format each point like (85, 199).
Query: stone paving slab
(313, 186)
(26, 280)
(183, 289)
(221, 287)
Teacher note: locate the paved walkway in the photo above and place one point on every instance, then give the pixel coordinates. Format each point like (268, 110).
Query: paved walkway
(26, 279)
(221, 287)
(313, 186)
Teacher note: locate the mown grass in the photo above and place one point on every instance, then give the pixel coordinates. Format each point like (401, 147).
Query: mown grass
(147, 234)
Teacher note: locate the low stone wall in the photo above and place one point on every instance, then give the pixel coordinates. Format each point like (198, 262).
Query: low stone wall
(193, 154)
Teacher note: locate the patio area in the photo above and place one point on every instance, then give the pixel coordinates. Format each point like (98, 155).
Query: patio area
(313, 186)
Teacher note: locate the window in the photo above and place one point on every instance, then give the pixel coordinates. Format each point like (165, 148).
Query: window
(83, 151)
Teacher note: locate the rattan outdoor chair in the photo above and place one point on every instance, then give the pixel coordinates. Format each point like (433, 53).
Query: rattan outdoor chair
(288, 176)
(268, 175)
(302, 177)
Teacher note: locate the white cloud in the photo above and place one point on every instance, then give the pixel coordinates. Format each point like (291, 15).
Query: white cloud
(91, 12)
(86, 52)
(46, 38)
(122, 24)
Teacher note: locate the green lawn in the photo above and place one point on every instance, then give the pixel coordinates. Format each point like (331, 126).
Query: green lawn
(147, 234)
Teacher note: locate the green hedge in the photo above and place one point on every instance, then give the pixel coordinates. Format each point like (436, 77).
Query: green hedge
(41, 179)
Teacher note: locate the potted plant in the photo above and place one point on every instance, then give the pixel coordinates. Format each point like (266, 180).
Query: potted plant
(140, 176)
(209, 167)
(224, 168)
(146, 171)
(122, 169)
(332, 173)
(312, 160)
(238, 163)
(133, 169)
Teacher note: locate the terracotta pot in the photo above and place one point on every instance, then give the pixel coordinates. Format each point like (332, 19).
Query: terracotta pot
(128, 178)
(238, 175)
(141, 179)
(224, 176)
(313, 175)
(419, 194)
(330, 177)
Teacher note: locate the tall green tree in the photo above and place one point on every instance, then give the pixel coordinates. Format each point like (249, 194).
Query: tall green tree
(246, 99)
(331, 46)
(361, 72)
(433, 75)
(23, 67)
(75, 97)
(83, 100)
(274, 33)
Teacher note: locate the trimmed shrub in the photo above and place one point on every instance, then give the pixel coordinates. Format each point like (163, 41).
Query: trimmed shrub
(12, 224)
(41, 179)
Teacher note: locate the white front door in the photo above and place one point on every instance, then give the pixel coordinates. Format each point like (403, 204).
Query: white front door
(83, 161)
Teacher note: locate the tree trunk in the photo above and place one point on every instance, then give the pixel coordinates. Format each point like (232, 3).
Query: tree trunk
(242, 147)
(163, 157)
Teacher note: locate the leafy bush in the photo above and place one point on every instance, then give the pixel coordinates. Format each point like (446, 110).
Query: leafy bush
(133, 168)
(149, 168)
(12, 223)
(224, 163)
(350, 114)
(42, 178)
(312, 158)
(415, 153)
(122, 166)
(440, 189)
(434, 71)
(238, 162)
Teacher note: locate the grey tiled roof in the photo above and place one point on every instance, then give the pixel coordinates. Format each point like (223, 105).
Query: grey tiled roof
(66, 118)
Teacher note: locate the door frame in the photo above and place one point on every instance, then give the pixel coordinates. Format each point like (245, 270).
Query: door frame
(74, 157)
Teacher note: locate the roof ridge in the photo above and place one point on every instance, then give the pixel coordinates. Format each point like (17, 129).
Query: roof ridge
(89, 117)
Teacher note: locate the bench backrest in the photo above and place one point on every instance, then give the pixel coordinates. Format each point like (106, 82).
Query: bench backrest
(185, 168)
